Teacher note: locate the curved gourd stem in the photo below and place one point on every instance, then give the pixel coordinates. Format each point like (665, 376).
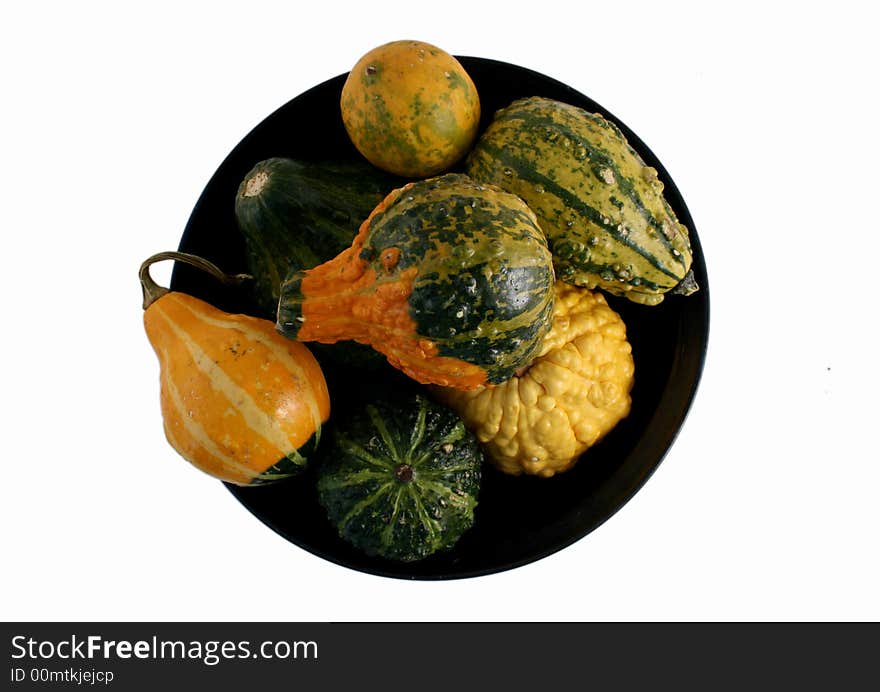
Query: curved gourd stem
(153, 291)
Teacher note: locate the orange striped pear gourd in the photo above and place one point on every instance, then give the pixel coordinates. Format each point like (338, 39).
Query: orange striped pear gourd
(239, 401)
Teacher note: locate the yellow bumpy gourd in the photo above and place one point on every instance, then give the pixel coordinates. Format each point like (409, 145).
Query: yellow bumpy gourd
(572, 394)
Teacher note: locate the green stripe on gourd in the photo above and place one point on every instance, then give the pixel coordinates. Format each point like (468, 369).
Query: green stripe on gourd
(601, 207)
(290, 465)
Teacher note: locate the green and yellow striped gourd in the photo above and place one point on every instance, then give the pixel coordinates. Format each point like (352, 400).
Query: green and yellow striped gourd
(601, 207)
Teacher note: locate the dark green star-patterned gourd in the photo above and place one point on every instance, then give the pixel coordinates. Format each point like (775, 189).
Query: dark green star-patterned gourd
(400, 478)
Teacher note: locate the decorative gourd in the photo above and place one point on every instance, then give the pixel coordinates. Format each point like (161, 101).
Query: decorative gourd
(400, 478)
(410, 108)
(600, 205)
(239, 401)
(297, 214)
(574, 392)
(451, 280)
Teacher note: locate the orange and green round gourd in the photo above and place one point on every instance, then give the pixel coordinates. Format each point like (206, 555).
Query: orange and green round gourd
(239, 401)
(450, 279)
(410, 108)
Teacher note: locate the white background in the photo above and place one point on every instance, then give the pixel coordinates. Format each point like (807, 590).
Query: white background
(766, 508)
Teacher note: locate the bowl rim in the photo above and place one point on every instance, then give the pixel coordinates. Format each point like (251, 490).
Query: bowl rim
(684, 399)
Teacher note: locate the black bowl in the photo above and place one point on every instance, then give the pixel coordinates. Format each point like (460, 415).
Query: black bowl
(519, 519)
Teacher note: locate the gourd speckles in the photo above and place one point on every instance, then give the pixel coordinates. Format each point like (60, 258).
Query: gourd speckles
(466, 299)
(602, 208)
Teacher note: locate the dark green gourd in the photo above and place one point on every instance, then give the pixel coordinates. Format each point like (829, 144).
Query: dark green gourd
(401, 477)
(298, 214)
(601, 207)
(295, 215)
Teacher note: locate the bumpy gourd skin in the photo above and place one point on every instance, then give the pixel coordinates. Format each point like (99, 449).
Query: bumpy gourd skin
(572, 394)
